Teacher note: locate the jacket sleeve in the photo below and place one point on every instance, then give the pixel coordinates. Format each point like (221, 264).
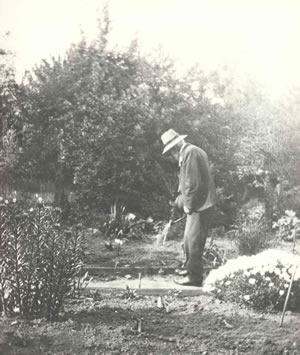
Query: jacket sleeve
(195, 183)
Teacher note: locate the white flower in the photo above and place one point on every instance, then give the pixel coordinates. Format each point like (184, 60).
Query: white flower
(1, 199)
(246, 297)
(40, 200)
(271, 284)
(290, 213)
(277, 271)
(6, 201)
(14, 200)
(262, 272)
(130, 217)
(285, 276)
(266, 261)
(31, 209)
(281, 292)
(286, 285)
(291, 270)
(252, 281)
(227, 283)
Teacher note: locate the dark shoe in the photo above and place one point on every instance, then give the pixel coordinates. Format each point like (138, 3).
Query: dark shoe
(181, 272)
(189, 281)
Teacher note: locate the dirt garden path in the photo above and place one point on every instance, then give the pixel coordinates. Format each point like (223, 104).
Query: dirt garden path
(115, 322)
(154, 282)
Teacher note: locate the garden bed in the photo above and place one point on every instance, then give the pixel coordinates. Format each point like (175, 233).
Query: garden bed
(144, 253)
(149, 320)
(124, 323)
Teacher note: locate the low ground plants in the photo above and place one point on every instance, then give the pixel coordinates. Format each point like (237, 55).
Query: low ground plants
(213, 256)
(260, 281)
(120, 226)
(39, 258)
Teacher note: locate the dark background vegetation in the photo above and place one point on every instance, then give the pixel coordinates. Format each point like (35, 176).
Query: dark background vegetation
(85, 130)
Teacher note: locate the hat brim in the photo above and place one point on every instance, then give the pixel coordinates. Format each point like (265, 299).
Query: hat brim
(173, 143)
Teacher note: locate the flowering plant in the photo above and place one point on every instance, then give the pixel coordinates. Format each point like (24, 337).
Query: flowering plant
(260, 281)
(286, 225)
(39, 258)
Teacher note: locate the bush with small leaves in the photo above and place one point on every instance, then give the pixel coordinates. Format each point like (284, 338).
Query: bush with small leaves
(260, 281)
(253, 233)
(286, 225)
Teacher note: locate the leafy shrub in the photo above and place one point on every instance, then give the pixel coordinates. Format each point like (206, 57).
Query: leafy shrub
(252, 234)
(39, 259)
(115, 222)
(80, 284)
(120, 224)
(225, 208)
(286, 225)
(213, 256)
(260, 282)
(129, 294)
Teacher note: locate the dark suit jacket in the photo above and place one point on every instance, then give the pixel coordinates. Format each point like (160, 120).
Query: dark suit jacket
(195, 179)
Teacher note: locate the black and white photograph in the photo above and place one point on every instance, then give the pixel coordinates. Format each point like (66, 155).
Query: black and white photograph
(149, 177)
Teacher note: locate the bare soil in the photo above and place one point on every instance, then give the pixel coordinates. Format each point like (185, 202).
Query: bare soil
(114, 324)
(145, 251)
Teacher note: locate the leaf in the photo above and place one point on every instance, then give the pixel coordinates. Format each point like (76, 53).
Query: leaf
(227, 325)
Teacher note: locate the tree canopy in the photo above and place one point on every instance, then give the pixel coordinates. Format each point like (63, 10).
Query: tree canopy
(91, 122)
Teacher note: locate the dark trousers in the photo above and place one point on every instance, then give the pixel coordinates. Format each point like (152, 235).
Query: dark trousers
(195, 235)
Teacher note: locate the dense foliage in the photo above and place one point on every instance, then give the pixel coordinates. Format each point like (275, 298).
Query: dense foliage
(89, 123)
(287, 226)
(252, 234)
(39, 259)
(88, 126)
(8, 113)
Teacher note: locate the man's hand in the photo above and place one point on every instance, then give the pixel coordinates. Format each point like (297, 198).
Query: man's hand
(187, 210)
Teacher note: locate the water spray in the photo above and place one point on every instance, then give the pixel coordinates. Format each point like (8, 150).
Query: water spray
(162, 236)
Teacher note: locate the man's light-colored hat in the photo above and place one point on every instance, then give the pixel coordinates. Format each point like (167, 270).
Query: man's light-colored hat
(170, 139)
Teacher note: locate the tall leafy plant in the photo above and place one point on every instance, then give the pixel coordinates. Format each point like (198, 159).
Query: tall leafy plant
(39, 259)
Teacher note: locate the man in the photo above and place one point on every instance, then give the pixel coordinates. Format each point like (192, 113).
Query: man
(198, 197)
